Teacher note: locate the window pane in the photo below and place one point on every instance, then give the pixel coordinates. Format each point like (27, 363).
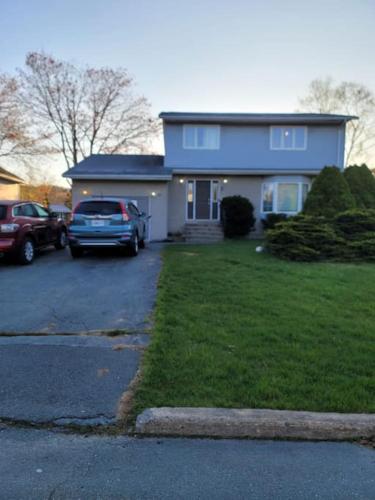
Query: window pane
(212, 137)
(215, 189)
(276, 137)
(28, 211)
(299, 137)
(214, 210)
(287, 198)
(189, 136)
(201, 137)
(41, 211)
(268, 197)
(288, 137)
(190, 191)
(99, 208)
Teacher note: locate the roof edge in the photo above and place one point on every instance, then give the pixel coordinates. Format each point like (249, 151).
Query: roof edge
(175, 116)
(117, 177)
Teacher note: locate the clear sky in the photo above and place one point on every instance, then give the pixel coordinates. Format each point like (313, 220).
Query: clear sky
(207, 55)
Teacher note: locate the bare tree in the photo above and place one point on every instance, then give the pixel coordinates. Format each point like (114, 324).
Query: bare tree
(17, 140)
(348, 98)
(85, 111)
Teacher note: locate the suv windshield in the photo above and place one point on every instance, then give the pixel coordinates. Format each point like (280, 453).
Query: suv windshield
(3, 212)
(99, 208)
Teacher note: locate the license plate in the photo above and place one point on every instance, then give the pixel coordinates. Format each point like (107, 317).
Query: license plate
(97, 222)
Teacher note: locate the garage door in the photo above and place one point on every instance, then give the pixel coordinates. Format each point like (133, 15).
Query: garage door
(141, 202)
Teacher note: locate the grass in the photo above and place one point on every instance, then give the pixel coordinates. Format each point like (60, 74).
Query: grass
(234, 328)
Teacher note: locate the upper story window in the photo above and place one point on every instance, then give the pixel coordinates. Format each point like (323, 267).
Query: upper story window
(289, 138)
(201, 136)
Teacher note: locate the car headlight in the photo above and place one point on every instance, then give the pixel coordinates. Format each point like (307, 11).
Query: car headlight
(9, 228)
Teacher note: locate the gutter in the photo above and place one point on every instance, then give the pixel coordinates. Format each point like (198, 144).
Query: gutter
(116, 177)
(10, 177)
(264, 171)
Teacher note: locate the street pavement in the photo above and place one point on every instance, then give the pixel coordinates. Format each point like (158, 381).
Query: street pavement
(38, 464)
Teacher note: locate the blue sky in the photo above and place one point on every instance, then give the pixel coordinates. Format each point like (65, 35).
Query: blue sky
(207, 55)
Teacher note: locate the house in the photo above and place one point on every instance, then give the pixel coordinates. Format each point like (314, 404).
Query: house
(10, 185)
(271, 159)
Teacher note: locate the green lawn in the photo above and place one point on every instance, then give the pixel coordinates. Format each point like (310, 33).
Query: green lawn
(234, 328)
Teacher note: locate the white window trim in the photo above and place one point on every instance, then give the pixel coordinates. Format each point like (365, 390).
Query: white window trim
(185, 146)
(275, 197)
(293, 148)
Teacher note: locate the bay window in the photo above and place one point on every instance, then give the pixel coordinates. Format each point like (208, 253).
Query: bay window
(284, 197)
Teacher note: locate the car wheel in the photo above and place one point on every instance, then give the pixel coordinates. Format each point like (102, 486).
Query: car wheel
(27, 252)
(76, 252)
(134, 246)
(62, 240)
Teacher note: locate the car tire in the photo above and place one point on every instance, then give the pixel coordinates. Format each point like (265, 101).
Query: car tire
(26, 252)
(134, 246)
(62, 240)
(76, 253)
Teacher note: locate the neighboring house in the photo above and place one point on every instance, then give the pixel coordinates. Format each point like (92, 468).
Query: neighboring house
(10, 185)
(269, 158)
(62, 211)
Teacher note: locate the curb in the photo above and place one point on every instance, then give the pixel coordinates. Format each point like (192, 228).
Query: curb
(264, 424)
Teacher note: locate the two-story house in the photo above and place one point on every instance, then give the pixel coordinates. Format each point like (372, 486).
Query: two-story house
(271, 159)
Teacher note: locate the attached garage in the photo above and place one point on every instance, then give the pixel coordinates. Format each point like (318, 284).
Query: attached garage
(141, 178)
(10, 185)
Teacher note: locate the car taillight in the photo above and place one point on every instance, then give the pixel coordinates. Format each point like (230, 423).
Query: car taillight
(9, 228)
(125, 215)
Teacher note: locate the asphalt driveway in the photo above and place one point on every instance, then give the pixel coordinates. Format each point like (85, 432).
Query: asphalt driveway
(65, 380)
(99, 292)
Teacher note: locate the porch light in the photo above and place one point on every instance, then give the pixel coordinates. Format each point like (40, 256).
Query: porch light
(182, 181)
(84, 191)
(225, 181)
(153, 194)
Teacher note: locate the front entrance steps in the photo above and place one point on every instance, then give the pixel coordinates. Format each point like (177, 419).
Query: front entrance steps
(203, 232)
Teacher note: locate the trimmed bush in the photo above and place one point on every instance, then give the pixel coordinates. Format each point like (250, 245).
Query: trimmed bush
(304, 238)
(361, 183)
(272, 219)
(355, 223)
(237, 216)
(350, 236)
(329, 194)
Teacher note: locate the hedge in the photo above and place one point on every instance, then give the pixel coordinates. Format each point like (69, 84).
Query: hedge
(350, 236)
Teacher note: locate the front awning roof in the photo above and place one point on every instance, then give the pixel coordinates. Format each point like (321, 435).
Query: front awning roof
(120, 167)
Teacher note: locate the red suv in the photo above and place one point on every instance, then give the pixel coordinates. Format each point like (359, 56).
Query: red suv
(25, 227)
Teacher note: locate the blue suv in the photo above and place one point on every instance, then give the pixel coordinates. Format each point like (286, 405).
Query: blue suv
(106, 222)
